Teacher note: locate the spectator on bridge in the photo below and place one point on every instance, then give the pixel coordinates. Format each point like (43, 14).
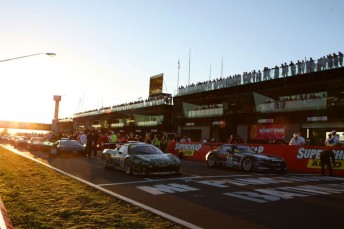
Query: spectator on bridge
(299, 65)
(303, 66)
(276, 72)
(340, 59)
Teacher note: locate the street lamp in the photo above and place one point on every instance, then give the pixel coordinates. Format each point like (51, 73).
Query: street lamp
(47, 53)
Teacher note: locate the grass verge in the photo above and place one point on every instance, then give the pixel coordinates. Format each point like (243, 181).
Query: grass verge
(38, 197)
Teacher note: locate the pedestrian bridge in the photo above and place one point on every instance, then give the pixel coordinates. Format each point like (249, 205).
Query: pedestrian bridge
(25, 125)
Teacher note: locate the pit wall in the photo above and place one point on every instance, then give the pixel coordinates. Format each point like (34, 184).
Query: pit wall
(305, 159)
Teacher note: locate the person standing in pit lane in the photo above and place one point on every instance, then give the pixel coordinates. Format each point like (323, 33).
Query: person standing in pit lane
(95, 142)
(82, 138)
(89, 143)
(327, 158)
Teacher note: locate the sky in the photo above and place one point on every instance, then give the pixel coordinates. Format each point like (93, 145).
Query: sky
(107, 50)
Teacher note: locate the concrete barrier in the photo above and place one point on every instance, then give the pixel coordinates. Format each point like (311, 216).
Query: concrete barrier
(5, 222)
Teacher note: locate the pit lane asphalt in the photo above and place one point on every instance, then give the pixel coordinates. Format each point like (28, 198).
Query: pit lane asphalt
(204, 197)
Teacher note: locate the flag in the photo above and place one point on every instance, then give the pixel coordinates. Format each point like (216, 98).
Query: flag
(178, 64)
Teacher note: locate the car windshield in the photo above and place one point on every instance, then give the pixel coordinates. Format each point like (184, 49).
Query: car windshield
(243, 149)
(144, 149)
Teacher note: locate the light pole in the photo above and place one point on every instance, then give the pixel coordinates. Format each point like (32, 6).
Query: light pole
(47, 53)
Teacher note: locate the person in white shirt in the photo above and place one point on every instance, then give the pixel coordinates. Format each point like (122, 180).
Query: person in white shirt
(83, 138)
(302, 140)
(295, 140)
(328, 141)
(335, 140)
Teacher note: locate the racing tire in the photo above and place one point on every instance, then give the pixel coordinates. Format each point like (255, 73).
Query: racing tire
(247, 164)
(211, 160)
(128, 169)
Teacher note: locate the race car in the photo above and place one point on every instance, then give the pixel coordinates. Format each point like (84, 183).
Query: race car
(67, 146)
(140, 158)
(245, 158)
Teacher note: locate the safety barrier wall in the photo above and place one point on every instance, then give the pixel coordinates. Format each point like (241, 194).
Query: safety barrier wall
(303, 158)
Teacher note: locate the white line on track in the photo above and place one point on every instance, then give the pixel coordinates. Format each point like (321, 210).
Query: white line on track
(149, 181)
(138, 204)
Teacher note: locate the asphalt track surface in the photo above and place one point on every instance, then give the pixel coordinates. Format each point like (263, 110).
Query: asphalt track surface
(204, 197)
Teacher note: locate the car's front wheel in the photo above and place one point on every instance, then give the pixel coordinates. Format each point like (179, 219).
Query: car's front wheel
(211, 160)
(247, 164)
(128, 169)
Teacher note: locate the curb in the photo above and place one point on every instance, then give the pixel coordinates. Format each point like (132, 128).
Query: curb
(5, 222)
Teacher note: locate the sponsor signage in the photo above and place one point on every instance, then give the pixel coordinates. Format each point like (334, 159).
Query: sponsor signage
(267, 131)
(218, 123)
(155, 84)
(269, 120)
(315, 119)
(298, 158)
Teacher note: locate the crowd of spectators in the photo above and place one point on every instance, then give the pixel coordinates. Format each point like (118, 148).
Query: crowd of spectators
(300, 67)
(167, 100)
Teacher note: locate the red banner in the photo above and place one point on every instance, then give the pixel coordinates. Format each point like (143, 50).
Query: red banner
(299, 158)
(267, 131)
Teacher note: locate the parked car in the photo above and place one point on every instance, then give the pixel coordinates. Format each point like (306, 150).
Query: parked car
(140, 158)
(20, 142)
(245, 158)
(68, 146)
(35, 143)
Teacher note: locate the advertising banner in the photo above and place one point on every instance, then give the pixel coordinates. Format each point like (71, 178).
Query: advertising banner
(155, 85)
(298, 158)
(267, 131)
